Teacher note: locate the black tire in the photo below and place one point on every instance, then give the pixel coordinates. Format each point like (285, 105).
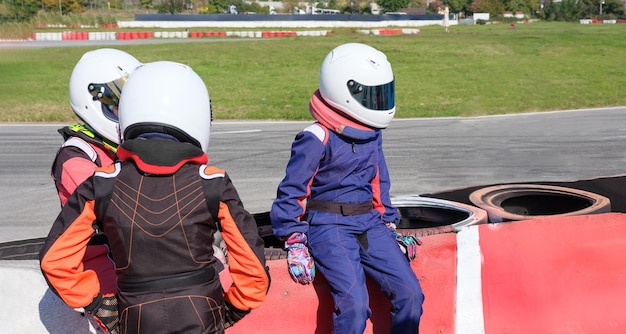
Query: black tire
(422, 216)
(275, 254)
(27, 249)
(273, 246)
(513, 202)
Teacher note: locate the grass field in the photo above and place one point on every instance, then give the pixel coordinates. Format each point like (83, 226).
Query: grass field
(473, 70)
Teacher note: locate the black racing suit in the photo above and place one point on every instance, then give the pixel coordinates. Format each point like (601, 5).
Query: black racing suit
(154, 213)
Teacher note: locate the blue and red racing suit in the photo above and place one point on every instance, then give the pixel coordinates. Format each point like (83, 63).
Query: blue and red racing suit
(345, 182)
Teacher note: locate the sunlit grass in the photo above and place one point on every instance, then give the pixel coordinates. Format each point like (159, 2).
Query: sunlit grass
(473, 70)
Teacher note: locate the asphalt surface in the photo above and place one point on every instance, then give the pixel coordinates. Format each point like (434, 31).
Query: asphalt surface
(423, 155)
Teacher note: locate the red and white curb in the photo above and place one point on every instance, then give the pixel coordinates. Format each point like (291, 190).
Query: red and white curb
(559, 274)
(546, 275)
(469, 306)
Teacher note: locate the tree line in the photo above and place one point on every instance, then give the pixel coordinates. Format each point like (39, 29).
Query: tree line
(565, 10)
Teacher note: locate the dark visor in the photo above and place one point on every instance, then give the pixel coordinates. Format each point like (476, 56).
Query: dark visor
(108, 94)
(373, 97)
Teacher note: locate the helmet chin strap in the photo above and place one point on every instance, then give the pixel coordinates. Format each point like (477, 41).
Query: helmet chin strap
(332, 119)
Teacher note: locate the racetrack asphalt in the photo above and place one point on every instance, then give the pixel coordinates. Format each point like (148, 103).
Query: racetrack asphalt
(424, 155)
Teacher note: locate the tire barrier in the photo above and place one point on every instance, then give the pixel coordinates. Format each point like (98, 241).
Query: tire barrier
(132, 35)
(515, 202)
(200, 34)
(421, 216)
(273, 246)
(590, 21)
(27, 249)
(389, 31)
(74, 35)
(171, 34)
(102, 36)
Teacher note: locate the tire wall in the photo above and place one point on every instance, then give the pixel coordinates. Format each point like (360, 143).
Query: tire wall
(514, 202)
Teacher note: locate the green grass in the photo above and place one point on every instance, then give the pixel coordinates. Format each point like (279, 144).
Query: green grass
(473, 70)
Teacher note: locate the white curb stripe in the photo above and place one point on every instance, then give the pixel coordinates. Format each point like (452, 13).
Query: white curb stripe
(469, 298)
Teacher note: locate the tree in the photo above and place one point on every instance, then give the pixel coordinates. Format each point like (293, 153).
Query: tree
(615, 7)
(219, 5)
(418, 4)
(355, 6)
(567, 10)
(393, 5)
(171, 6)
(531, 6)
(147, 4)
(290, 5)
(493, 7)
(18, 10)
(457, 6)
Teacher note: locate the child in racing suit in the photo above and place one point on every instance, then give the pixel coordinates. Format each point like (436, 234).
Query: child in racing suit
(95, 87)
(348, 223)
(159, 207)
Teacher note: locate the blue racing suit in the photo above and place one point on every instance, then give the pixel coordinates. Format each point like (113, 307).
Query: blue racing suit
(348, 170)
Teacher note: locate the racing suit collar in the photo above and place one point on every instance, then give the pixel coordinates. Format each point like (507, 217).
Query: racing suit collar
(87, 134)
(157, 156)
(336, 121)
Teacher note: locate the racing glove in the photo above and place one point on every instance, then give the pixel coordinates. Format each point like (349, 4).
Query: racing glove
(299, 261)
(407, 243)
(232, 315)
(104, 311)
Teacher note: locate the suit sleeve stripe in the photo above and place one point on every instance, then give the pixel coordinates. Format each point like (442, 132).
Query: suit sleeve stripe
(377, 200)
(250, 280)
(62, 263)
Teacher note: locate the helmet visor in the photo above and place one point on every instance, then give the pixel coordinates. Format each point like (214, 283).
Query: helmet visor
(108, 94)
(381, 97)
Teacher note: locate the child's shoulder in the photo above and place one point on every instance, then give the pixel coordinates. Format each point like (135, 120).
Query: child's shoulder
(320, 131)
(211, 172)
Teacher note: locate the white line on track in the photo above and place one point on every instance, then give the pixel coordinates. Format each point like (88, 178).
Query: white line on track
(239, 131)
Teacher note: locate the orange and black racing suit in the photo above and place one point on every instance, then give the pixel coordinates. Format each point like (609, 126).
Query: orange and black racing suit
(155, 214)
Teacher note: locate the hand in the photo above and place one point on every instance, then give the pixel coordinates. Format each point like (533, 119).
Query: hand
(407, 243)
(105, 312)
(299, 261)
(232, 315)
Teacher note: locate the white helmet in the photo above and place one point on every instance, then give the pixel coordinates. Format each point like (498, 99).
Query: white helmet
(357, 80)
(95, 87)
(166, 97)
